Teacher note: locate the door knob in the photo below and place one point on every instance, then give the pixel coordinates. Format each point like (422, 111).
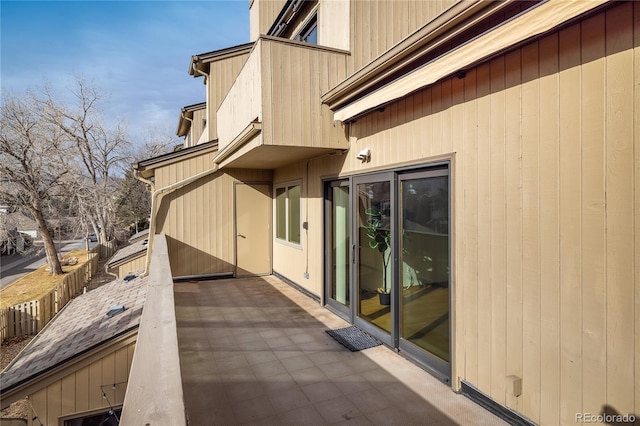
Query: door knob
(240, 235)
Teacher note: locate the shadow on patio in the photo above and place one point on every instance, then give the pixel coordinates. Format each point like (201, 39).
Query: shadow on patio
(255, 351)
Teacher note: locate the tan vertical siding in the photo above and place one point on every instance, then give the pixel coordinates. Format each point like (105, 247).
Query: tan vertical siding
(197, 127)
(392, 20)
(81, 390)
(292, 114)
(135, 265)
(549, 235)
(546, 213)
(198, 218)
(636, 209)
(222, 74)
(262, 14)
(619, 152)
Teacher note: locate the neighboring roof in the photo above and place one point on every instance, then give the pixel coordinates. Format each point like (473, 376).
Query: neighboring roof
(139, 236)
(81, 327)
(129, 252)
(186, 116)
(199, 64)
(145, 167)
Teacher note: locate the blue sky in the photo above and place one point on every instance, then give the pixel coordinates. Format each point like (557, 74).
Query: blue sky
(136, 52)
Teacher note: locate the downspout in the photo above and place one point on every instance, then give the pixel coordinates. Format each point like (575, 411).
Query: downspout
(200, 72)
(155, 200)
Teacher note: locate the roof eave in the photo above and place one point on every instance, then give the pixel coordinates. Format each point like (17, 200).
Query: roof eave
(200, 64)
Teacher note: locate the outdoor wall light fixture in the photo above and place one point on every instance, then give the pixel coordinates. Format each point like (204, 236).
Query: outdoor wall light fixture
(364, 155)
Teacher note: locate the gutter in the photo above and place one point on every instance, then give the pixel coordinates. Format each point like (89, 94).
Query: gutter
(156, 197)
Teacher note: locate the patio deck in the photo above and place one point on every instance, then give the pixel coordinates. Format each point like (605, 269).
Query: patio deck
(255, 351)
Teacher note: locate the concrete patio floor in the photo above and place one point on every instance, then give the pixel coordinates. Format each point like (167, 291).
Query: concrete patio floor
(255, 351)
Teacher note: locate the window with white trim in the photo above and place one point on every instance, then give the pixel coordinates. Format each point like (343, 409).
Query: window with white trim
(288, 213)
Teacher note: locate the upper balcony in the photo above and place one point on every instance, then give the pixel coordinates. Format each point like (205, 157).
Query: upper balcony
(273, 115)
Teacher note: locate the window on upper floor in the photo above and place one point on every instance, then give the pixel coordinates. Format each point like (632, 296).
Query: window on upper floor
(288, 213)
(309, 32)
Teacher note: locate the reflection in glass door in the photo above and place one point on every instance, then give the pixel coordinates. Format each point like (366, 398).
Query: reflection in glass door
(338, 245)
(374, 236)
(424, 259)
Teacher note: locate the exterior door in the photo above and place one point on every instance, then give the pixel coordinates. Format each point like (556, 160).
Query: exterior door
(252, 229)
(423, 268)
(373, 237)
(338, 247)
(399, 262)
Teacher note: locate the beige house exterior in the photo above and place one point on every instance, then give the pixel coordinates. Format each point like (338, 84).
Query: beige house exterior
(477, 161)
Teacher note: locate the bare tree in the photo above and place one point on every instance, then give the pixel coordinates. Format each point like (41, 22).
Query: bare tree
(32, 164)
(101, 152)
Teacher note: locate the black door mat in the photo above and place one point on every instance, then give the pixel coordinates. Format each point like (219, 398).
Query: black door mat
(353, 338)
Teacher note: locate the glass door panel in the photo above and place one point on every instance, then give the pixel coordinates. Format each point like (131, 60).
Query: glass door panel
(373, 235)
(339, 245)
(424, 259)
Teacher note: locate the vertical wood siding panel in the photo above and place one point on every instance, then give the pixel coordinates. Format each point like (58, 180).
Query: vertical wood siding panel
(446, 143)
(68, 394)
(619, 201)
(391, 147)
(419, 136)
(415, 110)
(179, 199)
(94, 391)
(498, 241)
(436, 131)
(38, 402)
(425, 147)
(402, 17)
(54, 403)
(484, 229)
(312, 103)
(469, 210)
(570, 226)
(398, 148)
(594, 374)
(513, 221)
(82, 389)
(636, 212)
(197, 226)
(109, 377)
(458, 272)
(122, 374)
(530, 232)
(549, 247)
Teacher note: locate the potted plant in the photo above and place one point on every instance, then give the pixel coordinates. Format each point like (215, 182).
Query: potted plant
(380, 240)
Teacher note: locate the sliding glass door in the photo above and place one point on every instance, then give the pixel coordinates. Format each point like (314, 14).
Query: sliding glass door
(423, 229)
(387, 251)
(337, 246)
(374, 248)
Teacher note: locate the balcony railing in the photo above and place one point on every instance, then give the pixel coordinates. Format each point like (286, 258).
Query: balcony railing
(272, 115)
(154, 393)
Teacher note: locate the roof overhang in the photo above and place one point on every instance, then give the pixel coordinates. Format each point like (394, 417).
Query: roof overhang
(403, 69)
(200, 64)
(186, 117)
(146, 168)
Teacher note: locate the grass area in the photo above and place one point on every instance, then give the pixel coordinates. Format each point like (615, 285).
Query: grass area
(36, 284)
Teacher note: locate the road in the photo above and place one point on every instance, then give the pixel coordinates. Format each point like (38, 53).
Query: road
(13, 267)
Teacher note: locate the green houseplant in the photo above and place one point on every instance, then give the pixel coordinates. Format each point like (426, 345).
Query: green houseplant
(380, 240)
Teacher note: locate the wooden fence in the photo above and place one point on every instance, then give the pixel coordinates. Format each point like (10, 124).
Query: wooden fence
(30, 317)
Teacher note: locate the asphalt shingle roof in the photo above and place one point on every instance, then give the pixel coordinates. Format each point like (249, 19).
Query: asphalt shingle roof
(128, 251)
(81, 326)
(142, 235)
